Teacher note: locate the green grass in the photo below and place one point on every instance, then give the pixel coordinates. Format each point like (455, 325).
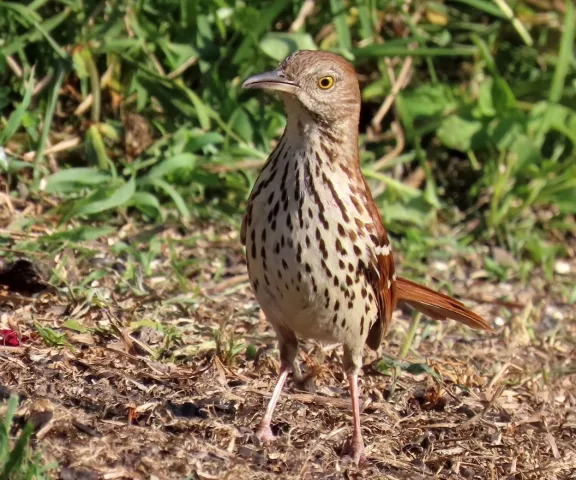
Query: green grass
(144, 100)
(17, 461)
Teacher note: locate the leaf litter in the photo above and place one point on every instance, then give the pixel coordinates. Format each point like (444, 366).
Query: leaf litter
(148, 357)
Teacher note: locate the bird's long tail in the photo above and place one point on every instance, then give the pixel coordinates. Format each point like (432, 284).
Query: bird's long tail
(437, 305)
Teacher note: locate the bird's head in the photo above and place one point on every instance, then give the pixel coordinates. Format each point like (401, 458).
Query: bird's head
(323, 84)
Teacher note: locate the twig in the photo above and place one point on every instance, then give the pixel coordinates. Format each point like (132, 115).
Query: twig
(246, 164)
(553, 445)
(9, 358)
(517, 24)
(230, 282)
(59, 147)
(499, 375)
(42, 84)
(182, 68)
(7, 349)
(398, 85)
(397, 150)
(87, 102)
(305, 11)
(8, 202)
(13, 64)
(485, 411)
(416, 178)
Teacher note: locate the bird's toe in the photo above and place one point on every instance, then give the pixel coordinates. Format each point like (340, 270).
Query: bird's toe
(353, 452)
(264, 434)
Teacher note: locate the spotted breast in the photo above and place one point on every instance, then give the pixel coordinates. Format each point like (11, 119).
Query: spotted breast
(310, 242)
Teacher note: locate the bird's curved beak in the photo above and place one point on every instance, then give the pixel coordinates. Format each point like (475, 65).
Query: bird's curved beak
(274, 80)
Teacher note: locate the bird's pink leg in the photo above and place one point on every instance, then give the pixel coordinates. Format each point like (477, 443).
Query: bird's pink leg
(264, 432)
(357, 445)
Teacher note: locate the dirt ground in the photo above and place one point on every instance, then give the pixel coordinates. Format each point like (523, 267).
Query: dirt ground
(166, 376)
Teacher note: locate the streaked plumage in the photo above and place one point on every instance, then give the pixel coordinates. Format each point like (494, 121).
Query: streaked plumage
(319, 259)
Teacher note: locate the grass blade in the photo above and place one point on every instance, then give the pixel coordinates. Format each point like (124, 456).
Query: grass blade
(483, 6)
(364, 12)
(48, 120)
(100, 202)
(176, 197)
(338, 9)
(516, 23)
(15, 119)
(388, 50)
(565, 55)
(18, 454)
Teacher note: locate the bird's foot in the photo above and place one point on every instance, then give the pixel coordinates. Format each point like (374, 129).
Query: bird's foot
(264, 433)
(353, 451)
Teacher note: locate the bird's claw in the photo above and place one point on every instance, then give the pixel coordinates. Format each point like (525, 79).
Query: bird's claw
(264, 433)
(353, 451)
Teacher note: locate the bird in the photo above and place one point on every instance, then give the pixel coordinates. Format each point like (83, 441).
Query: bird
(319, 259)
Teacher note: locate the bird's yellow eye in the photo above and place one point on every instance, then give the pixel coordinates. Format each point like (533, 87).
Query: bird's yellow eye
(325, 83)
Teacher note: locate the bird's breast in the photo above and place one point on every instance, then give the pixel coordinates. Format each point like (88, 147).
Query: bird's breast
(308, 245)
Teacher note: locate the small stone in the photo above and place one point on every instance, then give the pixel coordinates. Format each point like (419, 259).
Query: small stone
(468, 472)
(503, 257)
(440, 266)
(34, 357)
(499, 321)
(560, 399)
(554, 312)
(496, 438)
(562, 267)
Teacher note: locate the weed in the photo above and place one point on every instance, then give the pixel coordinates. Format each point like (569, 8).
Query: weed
(227, 347)
(17, 461)
(51, 337)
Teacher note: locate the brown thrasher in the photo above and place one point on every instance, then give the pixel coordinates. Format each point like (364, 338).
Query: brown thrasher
(319, 259)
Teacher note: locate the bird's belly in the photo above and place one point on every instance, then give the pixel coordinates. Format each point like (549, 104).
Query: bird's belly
(306, 276)
(288, 291)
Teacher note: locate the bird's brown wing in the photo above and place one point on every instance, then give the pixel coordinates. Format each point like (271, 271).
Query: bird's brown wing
(380, 274)
(391, 289)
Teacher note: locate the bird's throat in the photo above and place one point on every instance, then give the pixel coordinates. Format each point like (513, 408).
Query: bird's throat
(310, 128)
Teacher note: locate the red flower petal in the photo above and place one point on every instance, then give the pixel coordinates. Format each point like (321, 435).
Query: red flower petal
(9, 338)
